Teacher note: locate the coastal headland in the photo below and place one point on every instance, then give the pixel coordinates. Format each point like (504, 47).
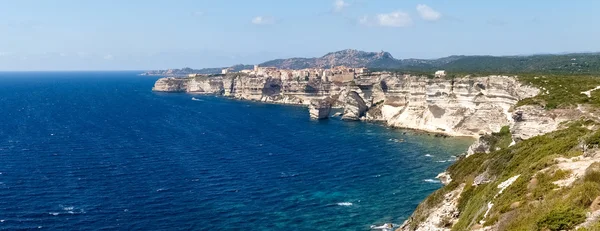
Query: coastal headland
(535, 162)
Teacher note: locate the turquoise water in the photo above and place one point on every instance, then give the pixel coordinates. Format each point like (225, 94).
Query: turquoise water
(99, 150)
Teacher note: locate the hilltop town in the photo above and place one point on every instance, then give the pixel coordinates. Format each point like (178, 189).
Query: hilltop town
(335, 74)
(339, 74)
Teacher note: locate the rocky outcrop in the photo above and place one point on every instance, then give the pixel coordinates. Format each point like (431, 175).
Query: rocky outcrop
(480, 146)
(442, 217)
(171, 85)
(354, 106)
(444, 178)
(532, 120)
(319, 109)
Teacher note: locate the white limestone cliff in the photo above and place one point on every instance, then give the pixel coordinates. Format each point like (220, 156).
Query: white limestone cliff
(459, 107)
(469, 106)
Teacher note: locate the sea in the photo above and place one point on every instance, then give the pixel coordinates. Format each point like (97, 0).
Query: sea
(101, 151)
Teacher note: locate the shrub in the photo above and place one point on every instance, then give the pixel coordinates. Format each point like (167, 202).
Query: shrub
(594, 139)
(592, 173)
(584, 194)
(562, 218)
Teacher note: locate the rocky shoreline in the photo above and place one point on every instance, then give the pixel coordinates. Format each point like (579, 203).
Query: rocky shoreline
(469, 106)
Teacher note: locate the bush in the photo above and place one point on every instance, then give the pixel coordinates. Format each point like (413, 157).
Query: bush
(592, 173)
(498, 140)
(594, 139)
(562, 218)
(583, 195)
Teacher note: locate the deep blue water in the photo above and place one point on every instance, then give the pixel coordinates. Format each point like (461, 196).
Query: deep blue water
(100, 150)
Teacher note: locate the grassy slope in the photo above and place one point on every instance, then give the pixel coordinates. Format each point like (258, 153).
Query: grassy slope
(532, 202)
(561, 91)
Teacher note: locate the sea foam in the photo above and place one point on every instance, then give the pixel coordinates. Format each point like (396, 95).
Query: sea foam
(345, 204)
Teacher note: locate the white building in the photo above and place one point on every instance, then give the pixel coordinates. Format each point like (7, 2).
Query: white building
(440, 74)
(225, 71)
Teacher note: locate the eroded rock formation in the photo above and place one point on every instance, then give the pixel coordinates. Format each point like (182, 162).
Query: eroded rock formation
(319, 109)
(354, 106)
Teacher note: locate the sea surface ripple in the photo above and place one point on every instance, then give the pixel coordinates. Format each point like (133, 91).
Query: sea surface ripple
(100, 151)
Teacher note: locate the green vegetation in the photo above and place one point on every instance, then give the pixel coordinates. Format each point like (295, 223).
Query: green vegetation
(568, 64)
(563, 64)
(559, 91)
(592, 173)
(533, 201)
(594, 139)
(594, 227)
(563, 218)
(498, 140)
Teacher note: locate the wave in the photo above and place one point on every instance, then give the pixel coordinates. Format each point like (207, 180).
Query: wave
(431, 181)
(448, 160)
(288, 174)
(196, 99)
(428, 155)
(69, 210)
(345, 204)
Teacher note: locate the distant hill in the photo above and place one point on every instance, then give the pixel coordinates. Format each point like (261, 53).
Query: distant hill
(350, 58)
(207, 71)
(585, 63)
(577, 63)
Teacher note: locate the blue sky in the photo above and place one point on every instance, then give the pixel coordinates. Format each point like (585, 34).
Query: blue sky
(158, 34)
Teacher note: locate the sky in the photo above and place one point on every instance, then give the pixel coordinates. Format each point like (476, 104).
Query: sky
(159, 34)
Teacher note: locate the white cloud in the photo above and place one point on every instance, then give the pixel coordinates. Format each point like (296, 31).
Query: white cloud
(427, 13)
(393, 19)
(197, 13)
(262, 20)
(339, 5)
(108, 57)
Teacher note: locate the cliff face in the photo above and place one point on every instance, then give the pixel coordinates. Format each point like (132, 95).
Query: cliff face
(171, 85)
(463, 106)
(460, 107)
